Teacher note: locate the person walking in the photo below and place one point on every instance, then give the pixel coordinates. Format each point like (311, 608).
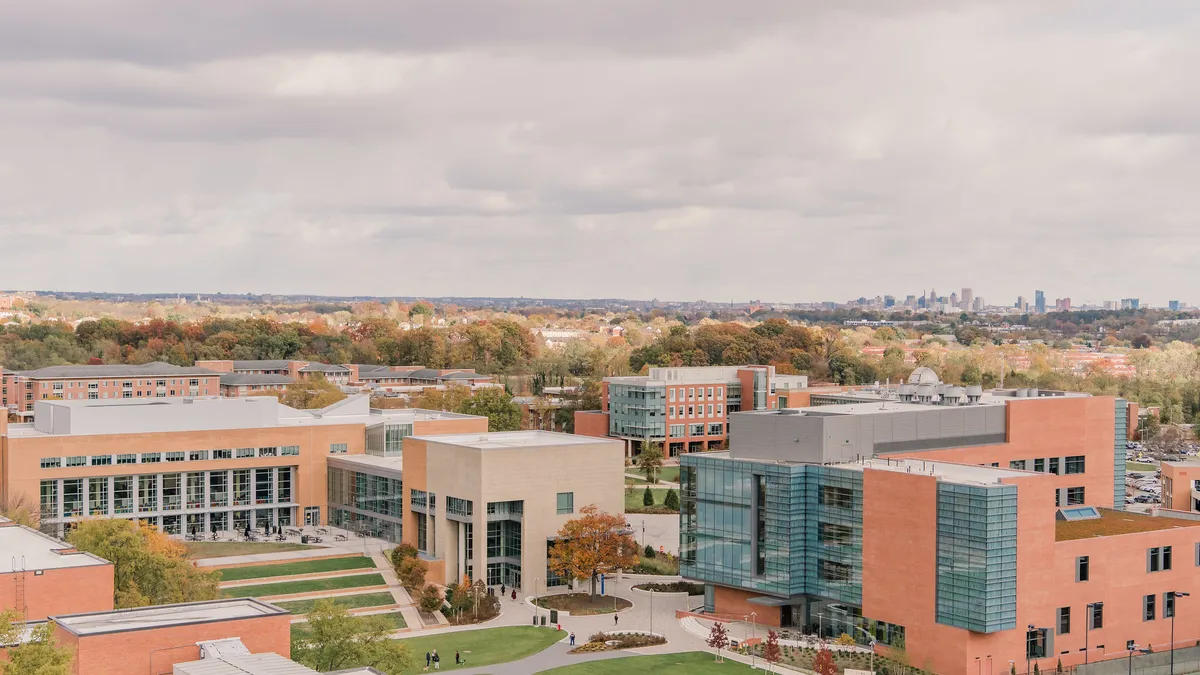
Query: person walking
(428, 660)
(615, 619)
(503, 589)
(457, 658)
(514, 594)
(572, 639)
(437, 661)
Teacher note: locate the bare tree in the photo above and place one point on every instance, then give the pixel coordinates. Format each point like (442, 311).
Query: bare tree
(1169, 440)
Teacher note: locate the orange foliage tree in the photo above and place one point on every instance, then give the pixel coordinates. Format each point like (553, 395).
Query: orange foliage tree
(592, 544)
(823, 662)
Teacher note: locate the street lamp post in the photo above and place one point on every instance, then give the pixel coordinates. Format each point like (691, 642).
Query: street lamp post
(1174, 610)
(1134, 648)
(753, 634)
(535, 599)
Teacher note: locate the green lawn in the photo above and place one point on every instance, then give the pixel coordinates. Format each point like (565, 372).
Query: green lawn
(633, 500)
(482, 647)
(687, 663)
(302, 567)
(305, 586)
(395, 618)
(669, 474)
(347, 601)
(1140, 468)
(220, 549)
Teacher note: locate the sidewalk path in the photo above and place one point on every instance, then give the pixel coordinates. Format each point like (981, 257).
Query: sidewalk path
(411, 616)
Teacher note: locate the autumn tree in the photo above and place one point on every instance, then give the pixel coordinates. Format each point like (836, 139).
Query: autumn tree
(38, 654)
(431, 598)
(495, 404)
(823, 662)
(20, 509)
(595, 543)
(450, 399)
(411, 573)
(335, 640)
(1169, 439)
(771, 652)
(718, 639)
(311, 393)
(149, 568)
(650, 460)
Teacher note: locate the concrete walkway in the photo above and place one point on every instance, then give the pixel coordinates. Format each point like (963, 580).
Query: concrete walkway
(411, 616)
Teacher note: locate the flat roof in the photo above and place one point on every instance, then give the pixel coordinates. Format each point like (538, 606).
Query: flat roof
(269, 663)
(1111, 523)
(514, 439)
(164, 616)
(24, 548)
(964, 474)
(151, 415)
(367, 461)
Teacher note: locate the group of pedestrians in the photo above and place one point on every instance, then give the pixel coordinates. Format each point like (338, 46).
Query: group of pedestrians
(432, 659)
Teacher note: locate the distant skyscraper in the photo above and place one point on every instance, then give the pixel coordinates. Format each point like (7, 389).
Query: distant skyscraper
(889, 301)
(978, 305)
(910, 301)
(1021, 304)
(1130, 303)
(1173, 305)
(968, 298)
(954, 299)
(1039, 302)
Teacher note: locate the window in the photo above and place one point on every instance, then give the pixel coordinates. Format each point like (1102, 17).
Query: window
(832, 534)
(225, 453)
(151, 457)
(696, 429)
(197, 455)
(691, 411)
(175, 456)
(1148, 610)
(716, 429)
(268, 452)
(245, 452)
(720, 410)
(1075, 464)
(128, 458)
(829, 570)
(1097, 618)
(77, 460)
(1054, 465)
(1081, 568)
(710, 393)
(840, 497)
(1017, 464)
(1039, 465)
(710, 410)
(56, 462)
(1158, 559)
(677, 430)
(1074, 496)
(290, 450)
(1168, 604)
(339, 448)
(566, 502)
(671, 395)
(691, 394)
(1064, 620)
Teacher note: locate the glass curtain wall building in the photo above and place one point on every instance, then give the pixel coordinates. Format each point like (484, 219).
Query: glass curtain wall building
(366, 502)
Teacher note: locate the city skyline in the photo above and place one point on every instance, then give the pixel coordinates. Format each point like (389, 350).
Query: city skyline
(520, 148)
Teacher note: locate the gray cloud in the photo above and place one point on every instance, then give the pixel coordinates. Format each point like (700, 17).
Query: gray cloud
(671, 149)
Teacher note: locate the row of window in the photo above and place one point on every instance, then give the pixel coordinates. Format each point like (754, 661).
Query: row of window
(147, 493)
(1094, 612)
(94, 395)
(1075, 496)
(1071, 465)
(682, 430)
(173, 456)
(697, 411)
(692, 393)
(126, 384)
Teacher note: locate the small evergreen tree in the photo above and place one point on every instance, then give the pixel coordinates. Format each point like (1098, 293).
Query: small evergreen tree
(671, 501)
(649, 552)
(647, 497)
(1058, 668)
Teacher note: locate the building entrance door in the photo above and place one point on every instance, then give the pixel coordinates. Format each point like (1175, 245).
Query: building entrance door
(312, 516)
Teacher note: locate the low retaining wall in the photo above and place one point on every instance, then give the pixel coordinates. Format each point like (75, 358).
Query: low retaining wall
(1187, 660)
(565, 613)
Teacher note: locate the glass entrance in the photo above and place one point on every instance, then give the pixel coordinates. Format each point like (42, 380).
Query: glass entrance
(312, 516)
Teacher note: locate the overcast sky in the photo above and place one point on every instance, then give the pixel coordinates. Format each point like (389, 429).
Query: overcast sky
(679, 149)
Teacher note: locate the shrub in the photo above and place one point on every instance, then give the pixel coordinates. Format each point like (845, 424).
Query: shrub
(431, 599)
(671, 501)
(403, 552)
(649, 553)
(647, 497)
(673, 587)
(411, 573)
